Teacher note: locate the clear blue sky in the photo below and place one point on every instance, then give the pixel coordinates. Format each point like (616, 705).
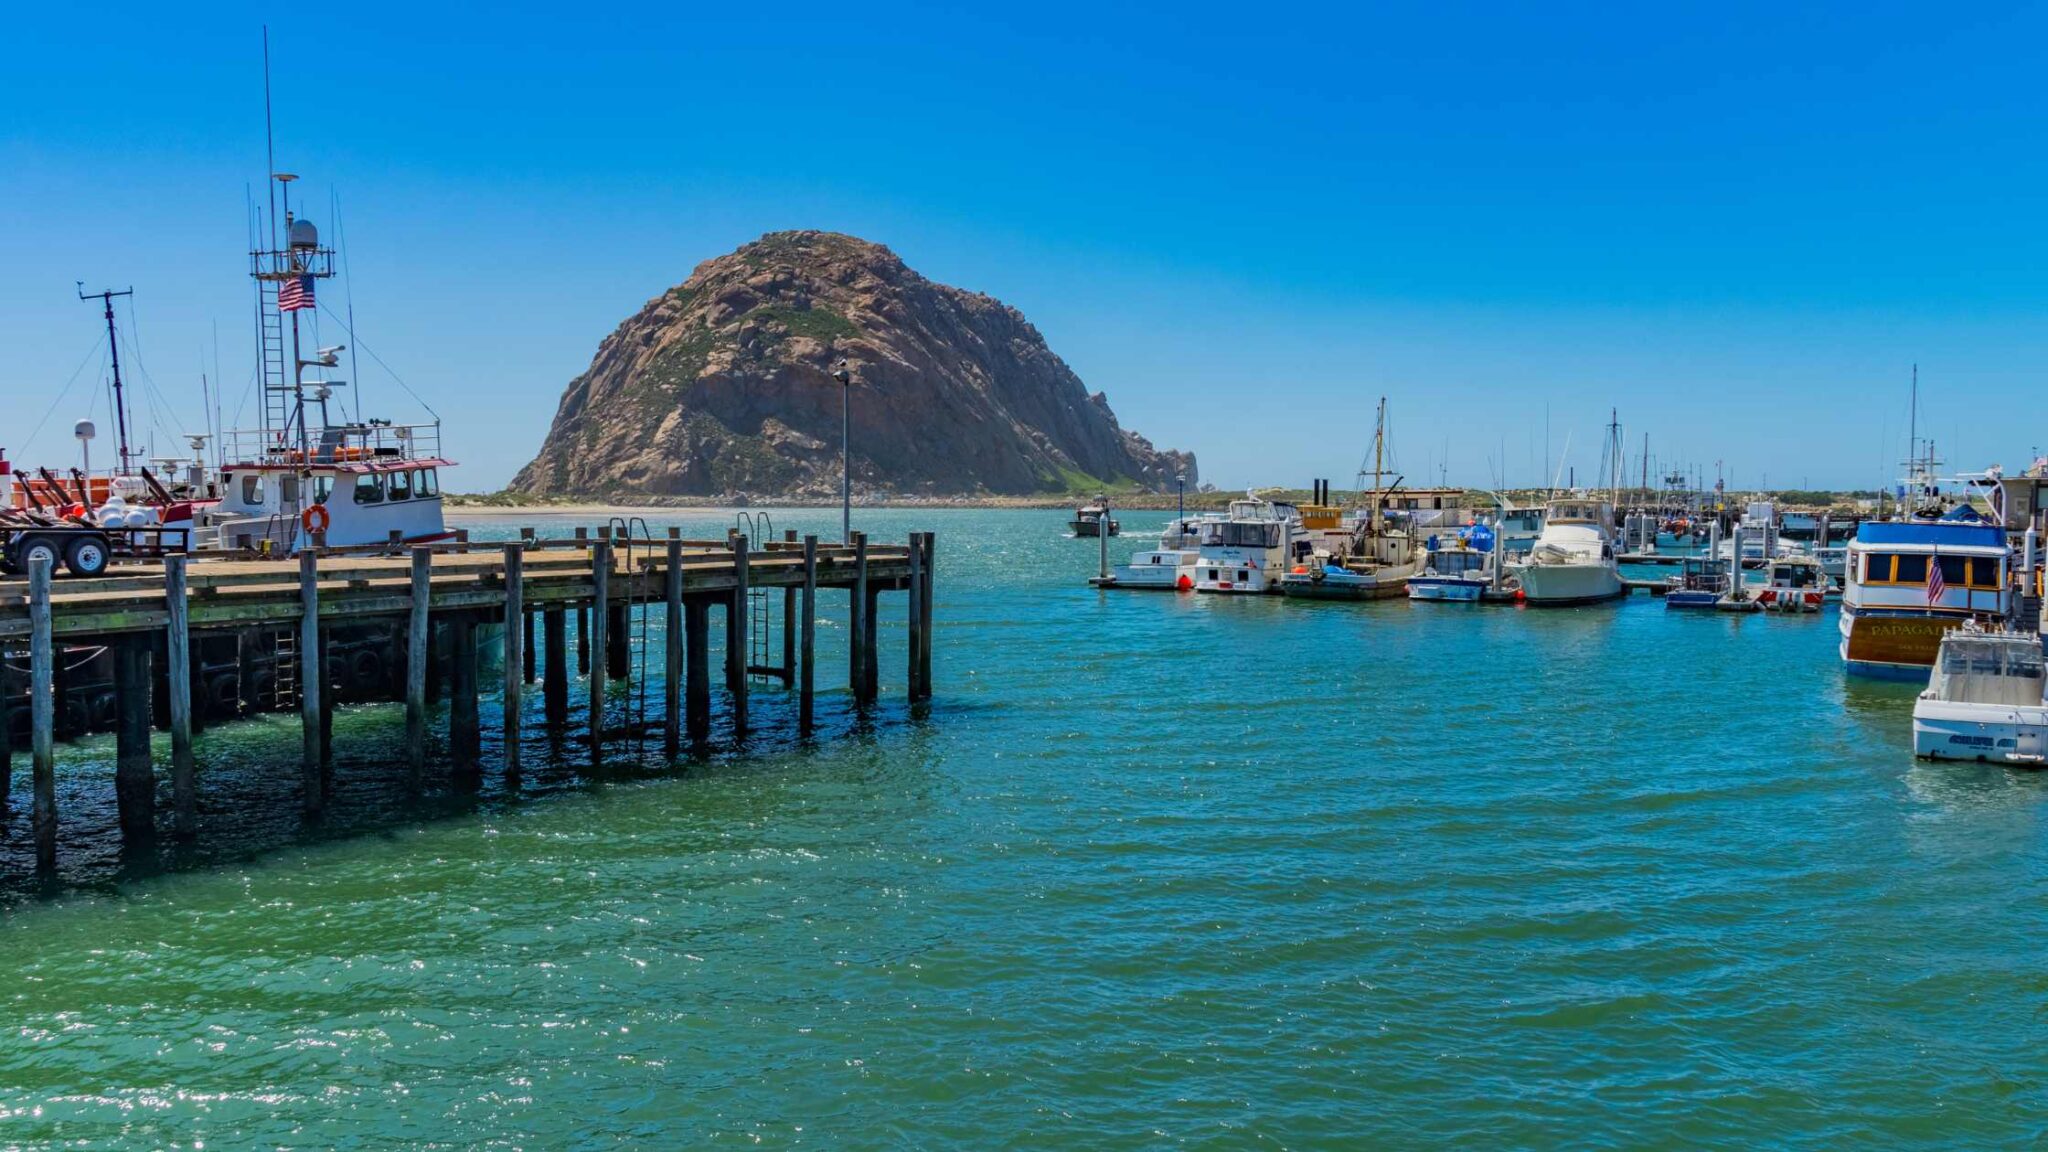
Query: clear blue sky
(1739, 224)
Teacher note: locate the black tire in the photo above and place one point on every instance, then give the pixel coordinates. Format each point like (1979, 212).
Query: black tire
(87, 556)
(39, 545)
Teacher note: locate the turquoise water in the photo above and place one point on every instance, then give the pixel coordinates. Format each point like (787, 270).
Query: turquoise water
(1153, 870)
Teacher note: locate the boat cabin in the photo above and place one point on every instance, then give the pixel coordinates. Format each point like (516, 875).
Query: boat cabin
(2003, 668)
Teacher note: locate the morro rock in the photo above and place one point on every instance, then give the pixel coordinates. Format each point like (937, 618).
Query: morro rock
(723, 387)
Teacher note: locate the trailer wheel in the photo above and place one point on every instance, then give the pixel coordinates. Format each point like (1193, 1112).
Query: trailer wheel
(38, 546)
(87, 556)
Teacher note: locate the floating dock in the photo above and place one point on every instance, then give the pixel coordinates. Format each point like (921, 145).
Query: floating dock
(417, 610)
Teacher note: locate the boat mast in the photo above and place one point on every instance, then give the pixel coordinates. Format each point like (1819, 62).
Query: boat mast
(1379, 445)
(106, 298)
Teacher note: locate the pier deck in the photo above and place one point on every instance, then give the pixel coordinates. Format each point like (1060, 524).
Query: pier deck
(418, 608)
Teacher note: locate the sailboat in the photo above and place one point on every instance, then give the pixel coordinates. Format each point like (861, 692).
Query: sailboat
(1378, 556)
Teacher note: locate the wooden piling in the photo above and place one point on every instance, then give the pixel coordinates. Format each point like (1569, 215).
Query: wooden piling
(312, 677)
(600, 579)
(418, 642)
(913, 616)
(789, 599)
(6, 732)
(618, 644)
(529, 669)
(134, 777)
(465, 725)
(871, 648)
(672, 646)
(924, 604)
(515, 650)
(857, 627)
(178, 680)
(328, 695)
(697, 679)
(554, 688)
(807, 672)
(738, 648)
(42, 694)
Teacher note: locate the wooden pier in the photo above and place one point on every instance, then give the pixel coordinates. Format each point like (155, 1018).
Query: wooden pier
(421, 608)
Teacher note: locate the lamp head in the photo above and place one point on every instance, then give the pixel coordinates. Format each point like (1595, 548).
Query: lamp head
(840, 373)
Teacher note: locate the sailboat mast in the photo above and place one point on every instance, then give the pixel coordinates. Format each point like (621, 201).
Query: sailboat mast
(1379, 444)
(114, 357)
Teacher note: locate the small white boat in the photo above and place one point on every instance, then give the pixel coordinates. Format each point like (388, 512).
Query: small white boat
(1792, 583)
(1459, 572)
(1984, 699)
(1170, 566)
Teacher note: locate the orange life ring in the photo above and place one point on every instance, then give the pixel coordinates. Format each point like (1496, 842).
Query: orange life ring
(314, 518)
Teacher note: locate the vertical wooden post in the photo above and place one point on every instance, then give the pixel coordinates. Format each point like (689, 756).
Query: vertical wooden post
(529, 667)
(857, 626)
(328, 695)
(600, 599)
(871, 648)
(515, 650)
(465, 726)
(807, 672)
(924, 604)
(6, 731)
(618, 641)
(672, 645)
(697, 685)
(248, 645)
(737, 644)
(913, 614)
(789, 598)
(178, 649)
(42, 704)
(134, 780)
(554, 689)
(582, 623)
(418, 642)
(312, 679)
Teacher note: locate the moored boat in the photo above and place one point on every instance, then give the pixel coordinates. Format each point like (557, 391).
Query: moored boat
(1793, 583)
(1910, 581)
(1573, 561)
(1093, 519)
(1984, 699)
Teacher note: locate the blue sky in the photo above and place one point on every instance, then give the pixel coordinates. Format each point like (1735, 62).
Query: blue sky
(1739, 225)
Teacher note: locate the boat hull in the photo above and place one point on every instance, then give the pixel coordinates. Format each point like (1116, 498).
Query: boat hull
(1991, 733)
(1692, 599)
(1303, 588)
(1564, 585)
(1893, 645)
(1452, 589)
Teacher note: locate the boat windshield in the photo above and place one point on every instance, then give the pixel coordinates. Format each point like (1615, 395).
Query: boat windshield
(1241, 534)
(1990, 670)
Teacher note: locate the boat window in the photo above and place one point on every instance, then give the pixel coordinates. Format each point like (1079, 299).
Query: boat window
(398, 486)
(288, 488)
(1983, 573)
(1911, 569)
(1955, 571)
(1242, 576)
(323, 487)
(428, 483)
(369, 488)
(252, 488)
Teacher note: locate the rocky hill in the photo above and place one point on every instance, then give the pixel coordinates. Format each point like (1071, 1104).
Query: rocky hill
(722, 387)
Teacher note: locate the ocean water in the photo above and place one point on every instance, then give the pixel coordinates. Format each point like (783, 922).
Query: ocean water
(1151, 871)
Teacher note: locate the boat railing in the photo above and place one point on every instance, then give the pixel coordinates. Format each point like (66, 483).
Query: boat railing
(373, 442)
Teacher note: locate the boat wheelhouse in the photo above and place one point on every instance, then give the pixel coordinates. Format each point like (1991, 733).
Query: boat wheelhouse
(1793, 583)
(1701, 583)
(1909, 582)
(362, 484)
(1246, 550)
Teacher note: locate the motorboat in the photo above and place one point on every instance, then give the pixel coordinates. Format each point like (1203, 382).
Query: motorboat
(1573, 560)
(1245, 550)
(1984, 699)
(1701, 583)
(1093, 519)
(1793, 583)
(1910, 581)
(1461, 574)
(1169, 566)
(1373, 555)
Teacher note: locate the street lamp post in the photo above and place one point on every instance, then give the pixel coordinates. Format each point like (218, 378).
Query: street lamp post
(1181, 511)
(845, 379)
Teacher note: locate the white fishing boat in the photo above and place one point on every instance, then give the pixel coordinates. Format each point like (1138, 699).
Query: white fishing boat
(1573, 561)
(1984, 699)
(1374, 555)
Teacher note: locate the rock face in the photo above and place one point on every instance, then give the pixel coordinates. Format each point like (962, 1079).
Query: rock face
(723, 387)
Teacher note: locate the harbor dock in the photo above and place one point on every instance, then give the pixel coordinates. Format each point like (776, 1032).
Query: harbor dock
(202, 636)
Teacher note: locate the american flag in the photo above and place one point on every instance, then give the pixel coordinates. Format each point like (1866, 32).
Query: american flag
(1935, 584)
(296, 294)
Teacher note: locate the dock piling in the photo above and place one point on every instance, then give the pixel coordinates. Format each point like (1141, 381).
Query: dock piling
(924, 604)
(807, 671)
(697, 675)
(178, 681)
(913, 615)
(554, 686)
(465, 726)
(737, 645)
(312, 676)
(42, 694)
(515, 650)
(857, 626)
(600, 640)
(418, 640)
(672, 646)
(134, 776)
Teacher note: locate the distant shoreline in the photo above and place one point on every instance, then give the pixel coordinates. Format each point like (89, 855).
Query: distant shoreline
(496, 507)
